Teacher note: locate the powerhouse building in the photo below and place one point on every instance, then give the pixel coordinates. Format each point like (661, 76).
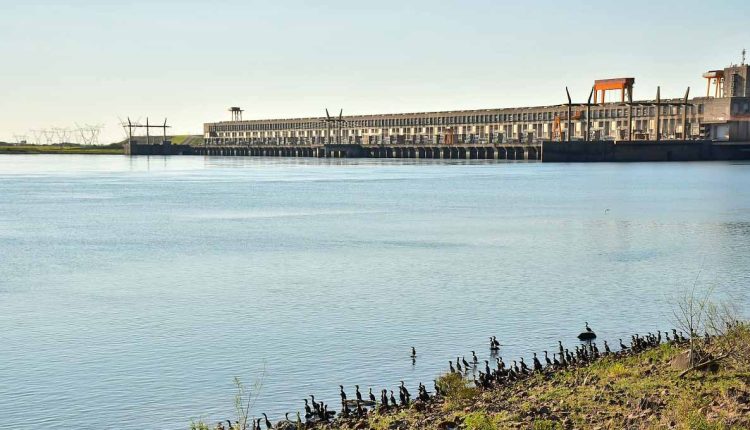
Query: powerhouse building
(723, 114)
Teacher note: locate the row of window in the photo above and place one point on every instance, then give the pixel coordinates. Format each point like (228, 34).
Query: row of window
(448, 120)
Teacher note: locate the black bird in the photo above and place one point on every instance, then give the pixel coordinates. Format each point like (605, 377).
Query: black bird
(588, 334)
(343, 394)
(268, 423)
(606, 348)
(308, 411)
(405, 391)
(474, 357)
(393, 399)
(546, 358)
(413, 352)
(623, 346)
(537, 364)
(357, 393)
(524, 367)
(458, 365)
(437, 388)
(494, 344)
(453, 370)
(487, 367)
(372, 396)
(560, 347)
(466, 363)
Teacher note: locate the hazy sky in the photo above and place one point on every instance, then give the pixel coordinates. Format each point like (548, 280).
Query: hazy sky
(65, 61)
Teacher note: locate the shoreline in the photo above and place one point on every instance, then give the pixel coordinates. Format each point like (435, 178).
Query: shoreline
(650, 383)
(57, 149)
(642, 387)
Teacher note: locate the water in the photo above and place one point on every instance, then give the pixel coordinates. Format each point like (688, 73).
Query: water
(133, 290)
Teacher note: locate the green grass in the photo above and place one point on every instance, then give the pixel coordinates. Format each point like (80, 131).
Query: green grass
(61, 149)
(178, 140)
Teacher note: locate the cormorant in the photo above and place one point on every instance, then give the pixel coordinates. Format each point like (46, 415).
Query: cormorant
(405, 391)
(588, 334)
(537, 364)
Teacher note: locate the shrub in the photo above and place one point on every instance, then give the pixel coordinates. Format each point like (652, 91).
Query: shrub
(478, 421)
(456, 388)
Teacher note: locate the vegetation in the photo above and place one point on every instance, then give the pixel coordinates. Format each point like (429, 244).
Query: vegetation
(244, 401)
(641, 391)
(114, 148)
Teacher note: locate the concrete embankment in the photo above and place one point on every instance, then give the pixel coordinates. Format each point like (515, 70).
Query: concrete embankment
(608, 151)
(548, 152)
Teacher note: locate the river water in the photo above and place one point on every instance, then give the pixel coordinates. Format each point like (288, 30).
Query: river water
(133, 290)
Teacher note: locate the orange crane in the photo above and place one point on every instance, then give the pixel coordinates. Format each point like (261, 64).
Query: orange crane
(557, 129)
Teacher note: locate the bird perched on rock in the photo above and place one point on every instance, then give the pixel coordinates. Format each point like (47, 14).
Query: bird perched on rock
(588, 334)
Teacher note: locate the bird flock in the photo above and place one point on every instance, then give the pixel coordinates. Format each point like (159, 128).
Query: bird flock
(484, 376)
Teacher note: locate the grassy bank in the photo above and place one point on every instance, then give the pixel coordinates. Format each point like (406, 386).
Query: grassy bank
(625, 391)
(61, 149)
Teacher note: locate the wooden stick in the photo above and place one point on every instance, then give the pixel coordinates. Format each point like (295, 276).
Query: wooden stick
(704, 364)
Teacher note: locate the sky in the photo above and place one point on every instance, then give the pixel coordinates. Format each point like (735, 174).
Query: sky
(68, 63)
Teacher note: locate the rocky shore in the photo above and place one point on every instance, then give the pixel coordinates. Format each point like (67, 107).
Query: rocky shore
(653, 389)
